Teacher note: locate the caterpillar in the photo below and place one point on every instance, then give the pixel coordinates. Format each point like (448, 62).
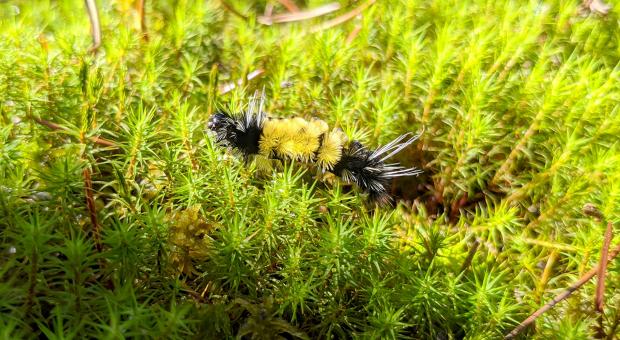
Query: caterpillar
(254, 134)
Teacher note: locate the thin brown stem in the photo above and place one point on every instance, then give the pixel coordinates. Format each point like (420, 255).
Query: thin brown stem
(140, 7)
(456, 206)
(600, 285)
(49, 124)
(95, 25)
(353, 34)
(470, 256)
(92, 210)
(591, 210)
(232, 9)
(56, 127)
(562, 296)
(102, 141)
(343, 18)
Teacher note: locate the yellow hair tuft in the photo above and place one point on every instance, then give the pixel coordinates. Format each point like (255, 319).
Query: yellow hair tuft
(331, 149)
(301, 140)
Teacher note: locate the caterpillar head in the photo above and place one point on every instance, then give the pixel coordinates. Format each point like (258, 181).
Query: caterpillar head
(223, 125)
(241, 132)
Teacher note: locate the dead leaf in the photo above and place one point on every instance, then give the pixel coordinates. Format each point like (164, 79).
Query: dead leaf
(225, 88)
(598, 6)
(298, 16)
(343, 18)
(290, 5)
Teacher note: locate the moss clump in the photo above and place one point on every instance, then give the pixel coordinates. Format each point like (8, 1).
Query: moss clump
(105, 163)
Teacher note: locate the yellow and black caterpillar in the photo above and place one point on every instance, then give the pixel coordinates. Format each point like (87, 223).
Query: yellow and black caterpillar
(311, 141)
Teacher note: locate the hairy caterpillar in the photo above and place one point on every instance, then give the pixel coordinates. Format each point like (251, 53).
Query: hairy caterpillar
(311, 141)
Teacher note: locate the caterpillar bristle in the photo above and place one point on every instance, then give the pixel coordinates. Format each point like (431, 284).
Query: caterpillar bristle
(311, 141)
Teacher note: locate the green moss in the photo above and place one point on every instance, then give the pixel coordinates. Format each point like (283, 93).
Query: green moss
(519, 106)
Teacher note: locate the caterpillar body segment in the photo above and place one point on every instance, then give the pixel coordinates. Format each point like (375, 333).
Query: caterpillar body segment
(331, 149)
(311, 141)
(300, 140)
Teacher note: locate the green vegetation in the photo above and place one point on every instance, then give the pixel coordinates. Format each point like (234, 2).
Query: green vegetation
(119, 217)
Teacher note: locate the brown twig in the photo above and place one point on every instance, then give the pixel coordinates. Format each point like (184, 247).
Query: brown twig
(565, 294)
(56, 127)
(600, 285)
(470, 256)
(49, 124)
(456, 206)
(343, 18)
(92, 211)
(102, 141)
(95, 25)
(353, 34)
(140, 7)
(290, 5)
(299, 16)
(232, 9)
(591, 210)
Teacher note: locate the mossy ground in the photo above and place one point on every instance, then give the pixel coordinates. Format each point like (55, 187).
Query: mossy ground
(518, 101)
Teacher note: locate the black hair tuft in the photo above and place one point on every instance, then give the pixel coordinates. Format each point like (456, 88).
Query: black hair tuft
(243, 132)
(367, 169)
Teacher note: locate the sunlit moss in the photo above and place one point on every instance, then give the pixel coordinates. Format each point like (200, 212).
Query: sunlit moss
(518, 101)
